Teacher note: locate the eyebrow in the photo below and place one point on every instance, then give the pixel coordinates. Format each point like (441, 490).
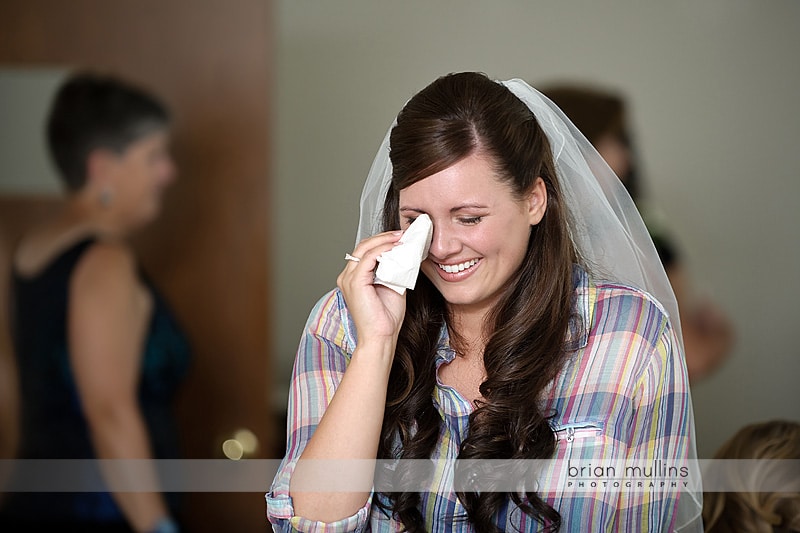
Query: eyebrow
(455, 209)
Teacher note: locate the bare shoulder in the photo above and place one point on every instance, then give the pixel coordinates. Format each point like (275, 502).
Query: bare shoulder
(105, 264)
(106, 292)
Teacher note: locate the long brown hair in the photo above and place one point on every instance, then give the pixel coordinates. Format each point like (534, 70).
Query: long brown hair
(454, 117)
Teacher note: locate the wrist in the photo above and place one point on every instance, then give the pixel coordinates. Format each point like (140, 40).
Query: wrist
(375, 352)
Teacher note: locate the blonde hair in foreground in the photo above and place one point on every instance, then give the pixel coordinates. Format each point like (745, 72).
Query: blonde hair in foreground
(756, 512)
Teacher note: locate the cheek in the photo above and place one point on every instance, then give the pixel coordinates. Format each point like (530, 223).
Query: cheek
(503, 236)
(428, 268)
(616, 155)
(512, 244)
(167, 172)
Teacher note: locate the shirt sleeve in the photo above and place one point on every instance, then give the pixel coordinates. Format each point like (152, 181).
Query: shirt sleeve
(661, 429)
(628, 453)
(322, 357)
(655, 466)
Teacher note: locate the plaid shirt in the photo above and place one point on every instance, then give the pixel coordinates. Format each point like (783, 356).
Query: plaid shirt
(623, 395)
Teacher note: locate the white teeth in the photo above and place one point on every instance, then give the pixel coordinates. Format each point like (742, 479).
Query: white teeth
(452, 269)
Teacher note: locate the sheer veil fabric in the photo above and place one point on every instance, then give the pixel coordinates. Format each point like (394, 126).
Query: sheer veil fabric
(606, 227)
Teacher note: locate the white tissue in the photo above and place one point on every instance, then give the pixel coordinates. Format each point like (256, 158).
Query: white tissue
(398, 268)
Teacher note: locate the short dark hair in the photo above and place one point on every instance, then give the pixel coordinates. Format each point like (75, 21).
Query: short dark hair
(598, 112)
(93, 111)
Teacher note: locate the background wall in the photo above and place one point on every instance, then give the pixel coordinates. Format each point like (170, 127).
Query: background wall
(712, 87)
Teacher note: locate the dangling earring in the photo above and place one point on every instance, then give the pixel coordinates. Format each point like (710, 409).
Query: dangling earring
(105, 198)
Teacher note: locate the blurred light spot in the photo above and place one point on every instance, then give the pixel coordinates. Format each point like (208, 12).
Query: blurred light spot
(247, 440)
(232, 449)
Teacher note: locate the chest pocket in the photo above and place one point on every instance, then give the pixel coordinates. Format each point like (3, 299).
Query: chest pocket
(580, 431)
(576, 443)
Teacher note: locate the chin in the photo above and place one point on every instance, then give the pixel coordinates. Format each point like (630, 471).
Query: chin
(458, 297)
(152, 212)
(146, 218)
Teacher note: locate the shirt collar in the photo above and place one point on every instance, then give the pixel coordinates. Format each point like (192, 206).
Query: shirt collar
(584, 307)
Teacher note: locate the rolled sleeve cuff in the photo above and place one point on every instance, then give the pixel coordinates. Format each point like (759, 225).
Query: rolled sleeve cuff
(280, 512)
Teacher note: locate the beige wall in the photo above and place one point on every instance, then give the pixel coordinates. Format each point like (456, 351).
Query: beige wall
(713, 88)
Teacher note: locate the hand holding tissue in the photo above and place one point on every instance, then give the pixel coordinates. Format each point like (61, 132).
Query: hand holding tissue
(398, 268)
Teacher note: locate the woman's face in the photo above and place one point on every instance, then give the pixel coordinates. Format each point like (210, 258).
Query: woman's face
(480, 230)
(616, 153)
(143, 171)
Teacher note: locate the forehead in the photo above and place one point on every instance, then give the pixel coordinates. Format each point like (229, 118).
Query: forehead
(471, 179)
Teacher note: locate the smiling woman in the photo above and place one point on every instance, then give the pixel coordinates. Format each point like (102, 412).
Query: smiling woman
(532, 335)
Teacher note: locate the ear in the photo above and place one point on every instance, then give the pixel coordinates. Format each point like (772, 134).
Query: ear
(537, 202)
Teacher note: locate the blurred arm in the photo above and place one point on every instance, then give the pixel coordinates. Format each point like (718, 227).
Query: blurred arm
(108, 316)
(707, 332)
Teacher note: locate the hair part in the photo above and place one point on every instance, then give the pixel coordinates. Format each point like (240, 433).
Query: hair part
(456, 116)
(93, 111)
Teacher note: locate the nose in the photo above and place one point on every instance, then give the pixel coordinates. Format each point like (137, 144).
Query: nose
(444, 242)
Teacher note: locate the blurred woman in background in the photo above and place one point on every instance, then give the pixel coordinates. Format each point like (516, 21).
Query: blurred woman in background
(602, 118)
(99, 354)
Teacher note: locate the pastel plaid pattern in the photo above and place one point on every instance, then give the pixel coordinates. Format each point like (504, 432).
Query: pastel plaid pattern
(623, 395)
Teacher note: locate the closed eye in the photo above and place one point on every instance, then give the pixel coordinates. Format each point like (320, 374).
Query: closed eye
(470, 220)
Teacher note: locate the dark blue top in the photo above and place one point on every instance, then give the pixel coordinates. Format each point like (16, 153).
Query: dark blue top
(53, 424)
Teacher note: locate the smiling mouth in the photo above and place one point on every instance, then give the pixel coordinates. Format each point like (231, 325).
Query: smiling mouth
(452, 269)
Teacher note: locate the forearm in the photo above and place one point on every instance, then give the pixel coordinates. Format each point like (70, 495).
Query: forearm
(349, 429)
(120, 434)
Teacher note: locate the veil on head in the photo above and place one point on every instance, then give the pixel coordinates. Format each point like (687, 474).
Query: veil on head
(606, 227)
(607, 230)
